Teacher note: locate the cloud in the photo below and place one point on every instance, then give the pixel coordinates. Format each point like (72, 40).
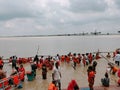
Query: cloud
(27, 17)
(81, 6)
(117, 2)
(15, 9)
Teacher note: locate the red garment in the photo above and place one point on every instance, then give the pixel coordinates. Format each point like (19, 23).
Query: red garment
(6, 84)
(91, 76)
(79, 59)
(21, 70)
(41, 60)
(75, 59)
(84, 61)
(118, 73)
(21, 76)
(1, 62)
(67, 59)
(119, 82)
(16, 79)
(90, 57)
(71, 85)
(62, 58)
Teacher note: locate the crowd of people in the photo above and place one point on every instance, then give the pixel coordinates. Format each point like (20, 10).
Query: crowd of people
(53, 63)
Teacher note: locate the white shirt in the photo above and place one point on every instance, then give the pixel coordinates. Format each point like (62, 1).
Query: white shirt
(56, 73)
(117, 57)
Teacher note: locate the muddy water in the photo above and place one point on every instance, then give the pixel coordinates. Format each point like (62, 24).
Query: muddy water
(25, 47)
(68, 73)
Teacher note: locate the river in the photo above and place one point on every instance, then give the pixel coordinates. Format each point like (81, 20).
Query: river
(30, 46)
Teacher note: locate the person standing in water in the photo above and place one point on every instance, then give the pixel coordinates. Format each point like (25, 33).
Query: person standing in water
(36, 59)
(74, 61)
(56, 75)
(14, 61)
(91, 77)
(117, 58)
(44, 71)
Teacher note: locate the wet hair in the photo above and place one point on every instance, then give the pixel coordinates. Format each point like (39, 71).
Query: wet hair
(74, 54)
(90, 68)
(13, 57)
(1, 67)
(36, 56)
(21, 65)
(83, 54)
(44, 65)
(94, 64)
(106, 75)
(87, 54)
(54, 82)
(78, 53)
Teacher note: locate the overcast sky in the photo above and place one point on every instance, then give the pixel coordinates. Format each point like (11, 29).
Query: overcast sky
(41, 17)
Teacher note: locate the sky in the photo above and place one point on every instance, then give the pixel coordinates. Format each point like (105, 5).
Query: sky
(46, 17)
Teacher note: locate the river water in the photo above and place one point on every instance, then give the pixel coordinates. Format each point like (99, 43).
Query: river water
(30, 46)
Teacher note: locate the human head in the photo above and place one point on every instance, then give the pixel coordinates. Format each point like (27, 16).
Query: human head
(90, 68)
(94, 64)
(106, 75)
(1, 67)
(54, 82)
(21, 65)
(74, 54)
(0, 58)
(36, 56)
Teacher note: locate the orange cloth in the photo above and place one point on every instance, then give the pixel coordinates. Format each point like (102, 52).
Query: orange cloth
(115, 69)
(62, 58)
(68, 59)
(15, 79)
(91, 76)
(52, 87)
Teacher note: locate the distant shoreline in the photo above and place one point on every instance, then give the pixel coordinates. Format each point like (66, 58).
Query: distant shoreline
(83, 34)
